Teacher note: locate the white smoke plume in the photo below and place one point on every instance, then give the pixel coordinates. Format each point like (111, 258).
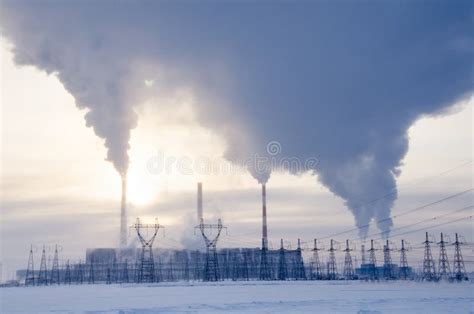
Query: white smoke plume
(341, 82)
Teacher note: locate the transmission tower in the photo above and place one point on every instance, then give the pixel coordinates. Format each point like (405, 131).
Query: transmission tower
(67, 275)
(429, 271)
(332, 267)
(80, 273)
(43, 273)
(282, 269)
(348, 267)
(362, 254)
(91, 279)
(459, 270)
(30, 270)
(444, 271)
(124, 278)
(211, 268)
(318, 274)
(146, 264)
(373, 273)
(299, 267)
(403, 270)
(387, 262)
(55, 268)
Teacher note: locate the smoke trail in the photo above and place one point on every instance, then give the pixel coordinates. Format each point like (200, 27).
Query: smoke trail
(340, 82)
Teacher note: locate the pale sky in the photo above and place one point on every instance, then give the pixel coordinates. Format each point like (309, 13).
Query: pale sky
(58, 189)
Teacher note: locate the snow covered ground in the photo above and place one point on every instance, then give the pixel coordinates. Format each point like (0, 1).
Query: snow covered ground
(244, 297)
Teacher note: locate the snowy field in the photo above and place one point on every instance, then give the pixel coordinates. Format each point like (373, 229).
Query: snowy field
(246, 297)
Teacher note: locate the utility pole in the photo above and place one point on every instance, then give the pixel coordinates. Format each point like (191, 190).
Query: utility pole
(348, 267)
(403, 270)
(444, 271)
(459, 270)
(211, 269)
(429, 271)
(30, 270)
(373, 273)
(332, 267)
(146, 267)
(282, 269)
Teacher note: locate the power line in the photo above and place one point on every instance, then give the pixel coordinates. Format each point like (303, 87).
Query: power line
(399, 215)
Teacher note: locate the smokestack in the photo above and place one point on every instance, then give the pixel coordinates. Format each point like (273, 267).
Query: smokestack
(199, 202)
(123, 214)
(264, 218)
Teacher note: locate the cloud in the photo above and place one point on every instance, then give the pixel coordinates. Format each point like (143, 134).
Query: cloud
(341, 82)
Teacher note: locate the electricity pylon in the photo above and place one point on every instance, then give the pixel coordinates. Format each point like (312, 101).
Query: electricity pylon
(91, 279)
(55, 268)
(300, 273)
(67, 275)
(459, 270)
(80, 273)
(43, 272)
(444, 271)
(332, 267)
(373, 273)
(211, 268)
(282, 269)
(387, 262)
(318, 274)
(348, 267)
(429, 271)
(30, 270)
(403, 269)
(146, 264)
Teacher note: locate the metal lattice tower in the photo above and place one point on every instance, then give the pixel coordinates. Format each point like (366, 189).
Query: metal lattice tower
(146, 264)
(67, 275)
(459, 271)
(362, 254)
(282, 269)
(444, 271)
(91, 279)
(55, 268)
(211, 268)
(429, 271)
(43, 273)
(318, 274)
(299, 264)
(30, 270)
(80, 273)
(373, 274)
(348, 267)
(387, 262)
(124, 278)
(403, 270)
(332, 267)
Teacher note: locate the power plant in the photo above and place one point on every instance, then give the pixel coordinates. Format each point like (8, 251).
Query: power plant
(150, 263)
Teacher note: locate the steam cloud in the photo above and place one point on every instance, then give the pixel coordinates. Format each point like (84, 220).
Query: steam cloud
(341, 82)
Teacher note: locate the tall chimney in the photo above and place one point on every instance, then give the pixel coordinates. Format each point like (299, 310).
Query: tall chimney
(123, 214)
(264, 218)
(199, 202)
